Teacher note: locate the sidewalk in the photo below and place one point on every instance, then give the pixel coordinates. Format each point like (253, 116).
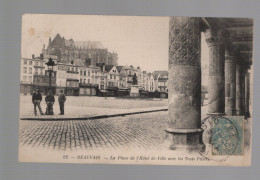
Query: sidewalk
(85, 113)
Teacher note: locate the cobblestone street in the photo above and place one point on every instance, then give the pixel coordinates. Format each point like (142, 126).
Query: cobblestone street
(142, 131)
(139, 131)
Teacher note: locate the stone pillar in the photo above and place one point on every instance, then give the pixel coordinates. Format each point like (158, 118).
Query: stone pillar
(230, 85)
(242, 91)
(238, 91)
(247, 95)
(216, 86)
(184, 84)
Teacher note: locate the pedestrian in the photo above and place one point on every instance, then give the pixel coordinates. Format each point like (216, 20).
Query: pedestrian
(49, 99)
(36, 100)
(62, 99)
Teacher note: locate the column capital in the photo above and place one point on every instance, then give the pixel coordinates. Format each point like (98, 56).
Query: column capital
(216, 37)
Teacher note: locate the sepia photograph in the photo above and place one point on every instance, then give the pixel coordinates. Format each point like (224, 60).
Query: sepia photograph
(136, 90)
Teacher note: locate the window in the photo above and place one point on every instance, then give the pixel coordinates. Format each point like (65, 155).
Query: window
(24, 78)
(84, 73)
(41, 72)
(30, 78)
(111, 76)
(80, 72)
(30, 62)
(114, 76)
(24, 61)
(110, 84)
(30, 70)
(77, 69)
(80, 80)
(88, 81)
(88, 73)
(25, 70)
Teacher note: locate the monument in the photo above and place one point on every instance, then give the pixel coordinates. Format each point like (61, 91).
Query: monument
(134, 92)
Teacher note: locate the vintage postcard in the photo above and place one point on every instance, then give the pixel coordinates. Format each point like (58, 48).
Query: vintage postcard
(136, 90)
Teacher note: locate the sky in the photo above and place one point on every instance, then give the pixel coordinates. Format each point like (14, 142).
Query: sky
(138, 40)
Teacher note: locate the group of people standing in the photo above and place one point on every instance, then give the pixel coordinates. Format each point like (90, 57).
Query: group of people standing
(49, 99)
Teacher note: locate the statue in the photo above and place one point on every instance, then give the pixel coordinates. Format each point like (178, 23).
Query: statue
(134, 80)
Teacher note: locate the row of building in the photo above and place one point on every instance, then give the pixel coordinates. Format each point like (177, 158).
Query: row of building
(81, 77)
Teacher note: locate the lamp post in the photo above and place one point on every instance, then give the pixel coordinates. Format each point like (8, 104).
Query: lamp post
(50, 65)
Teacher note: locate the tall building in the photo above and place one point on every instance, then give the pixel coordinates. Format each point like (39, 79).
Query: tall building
(112, 76)
(151, 82)
(68, 78)
(130, 71)
(122, 77)
(145, 80)
(34, 73)
(160, 81)
(90, 80)
(69, 50)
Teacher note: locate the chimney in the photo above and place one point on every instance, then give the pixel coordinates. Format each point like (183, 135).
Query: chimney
(33, 56)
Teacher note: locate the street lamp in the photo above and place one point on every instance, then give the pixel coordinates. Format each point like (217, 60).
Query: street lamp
(50, 65)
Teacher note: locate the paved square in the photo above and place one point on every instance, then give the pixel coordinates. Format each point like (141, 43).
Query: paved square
(139, 131)
(142, 131)
(83, 107)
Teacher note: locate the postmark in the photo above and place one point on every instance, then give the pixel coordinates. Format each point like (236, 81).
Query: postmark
(227, 136)
(223, 137)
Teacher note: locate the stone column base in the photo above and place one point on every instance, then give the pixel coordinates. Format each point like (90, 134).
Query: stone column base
(186, 139)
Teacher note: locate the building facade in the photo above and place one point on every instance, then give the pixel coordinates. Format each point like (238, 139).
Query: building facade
(68, 78)
(160, 79)
(34, 73)
(90, 80)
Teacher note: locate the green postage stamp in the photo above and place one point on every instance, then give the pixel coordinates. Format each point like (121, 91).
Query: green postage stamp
(227, 137)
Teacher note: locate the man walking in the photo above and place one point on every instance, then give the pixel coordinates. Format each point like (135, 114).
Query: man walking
(62, 99)
(49, 99)
(36, 100)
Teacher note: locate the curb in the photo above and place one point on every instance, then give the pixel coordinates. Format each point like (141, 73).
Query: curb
(90, 117)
